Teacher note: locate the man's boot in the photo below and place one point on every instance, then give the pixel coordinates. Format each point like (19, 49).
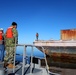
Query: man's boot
(11, 66)
(5, 64)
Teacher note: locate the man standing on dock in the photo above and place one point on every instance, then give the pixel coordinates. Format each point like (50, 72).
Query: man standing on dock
(11, 39)
(2, 44)
(37, 36)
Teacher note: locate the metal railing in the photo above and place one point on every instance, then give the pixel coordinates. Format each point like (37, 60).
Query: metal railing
(24, 56)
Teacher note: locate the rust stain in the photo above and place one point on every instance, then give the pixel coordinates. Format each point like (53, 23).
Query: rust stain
(68, 34)
(64, 57)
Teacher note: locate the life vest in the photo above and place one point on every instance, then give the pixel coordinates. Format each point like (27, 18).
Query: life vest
(1, 36)
(9, 33)
(37, 34)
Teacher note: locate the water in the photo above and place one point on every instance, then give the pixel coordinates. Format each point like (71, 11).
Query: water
(36, 53)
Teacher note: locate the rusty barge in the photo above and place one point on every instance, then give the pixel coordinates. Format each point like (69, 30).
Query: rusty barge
(63, 50)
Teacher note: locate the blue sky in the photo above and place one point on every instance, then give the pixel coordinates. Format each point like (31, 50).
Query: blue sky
(47, 17)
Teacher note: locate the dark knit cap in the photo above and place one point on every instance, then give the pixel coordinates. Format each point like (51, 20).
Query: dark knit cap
(14, 23)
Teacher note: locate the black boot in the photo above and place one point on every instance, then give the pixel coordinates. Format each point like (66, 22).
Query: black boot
(5, 64)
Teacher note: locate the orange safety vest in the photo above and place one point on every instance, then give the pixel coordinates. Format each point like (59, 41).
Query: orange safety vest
(37, 34)
(1, 36)
(9, 33)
